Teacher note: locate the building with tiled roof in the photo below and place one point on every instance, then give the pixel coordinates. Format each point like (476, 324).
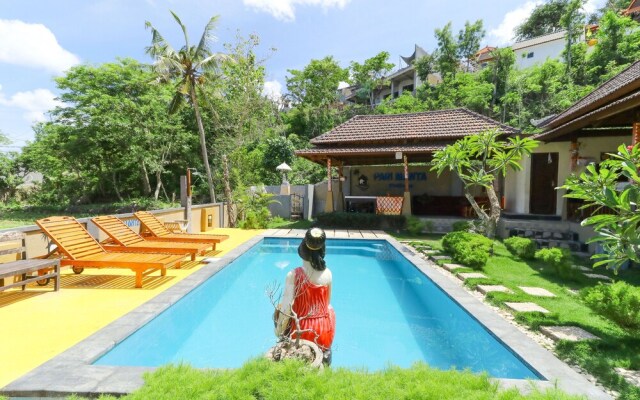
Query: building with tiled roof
(382, 156)
(633, 10)
(584, 133)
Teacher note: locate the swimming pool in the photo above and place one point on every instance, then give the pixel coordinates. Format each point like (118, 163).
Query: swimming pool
(388, 312)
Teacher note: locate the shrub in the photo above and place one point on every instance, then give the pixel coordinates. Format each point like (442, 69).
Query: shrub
(461, 226)
(470, 249)
(619, 302)
(415, 225)
(521, 247)
(558, 259)
(348, 220)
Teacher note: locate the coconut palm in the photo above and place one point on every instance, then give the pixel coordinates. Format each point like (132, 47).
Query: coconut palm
(190, 67)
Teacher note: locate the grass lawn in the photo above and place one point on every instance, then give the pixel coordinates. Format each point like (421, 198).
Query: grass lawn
(279, 223)
(263, 379)
(618, 347)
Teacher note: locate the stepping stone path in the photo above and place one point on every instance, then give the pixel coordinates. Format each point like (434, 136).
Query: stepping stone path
(484, 289)
(429, 252)
(536, 291)
(581, 268)
(570, 333)
(526, 307)
(633, 377)
(440, 257)
(598, 276)
(452, 267)
(470, 275)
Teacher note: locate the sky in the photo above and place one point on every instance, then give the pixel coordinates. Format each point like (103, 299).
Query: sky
(39, 40)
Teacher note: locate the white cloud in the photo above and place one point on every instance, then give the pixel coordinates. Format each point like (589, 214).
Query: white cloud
(284, 10)
(34, 103)
(504, 33)
(343, 85)
(33, 45)
(273, 90)
(592, 6)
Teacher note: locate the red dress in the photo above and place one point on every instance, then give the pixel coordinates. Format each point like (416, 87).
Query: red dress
(314, 299)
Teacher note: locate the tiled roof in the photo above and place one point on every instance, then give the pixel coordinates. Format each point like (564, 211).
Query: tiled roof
(538, 40)
(373, 149)
(621, 84)
(430, 125)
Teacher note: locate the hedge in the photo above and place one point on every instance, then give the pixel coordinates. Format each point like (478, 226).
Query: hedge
(350, 220)
(470, 249)
(521, 247)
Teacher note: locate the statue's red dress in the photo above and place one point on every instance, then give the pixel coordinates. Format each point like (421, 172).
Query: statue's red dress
(314, 299)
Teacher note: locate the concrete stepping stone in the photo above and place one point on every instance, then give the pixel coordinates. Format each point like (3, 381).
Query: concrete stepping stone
(452, 267)
(581, 268)
(598, 276)
(471, 275)
(526, 307)
(484, 289)
(632, 377)
(570, 333)
(430, 252)
(440, 257)
(536, 291)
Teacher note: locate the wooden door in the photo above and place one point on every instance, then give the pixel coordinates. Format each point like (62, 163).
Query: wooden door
(544, 180)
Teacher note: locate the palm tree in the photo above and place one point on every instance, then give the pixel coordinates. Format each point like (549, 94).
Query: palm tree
(189, 67)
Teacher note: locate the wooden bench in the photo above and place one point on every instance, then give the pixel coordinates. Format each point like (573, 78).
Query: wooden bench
(22, 267)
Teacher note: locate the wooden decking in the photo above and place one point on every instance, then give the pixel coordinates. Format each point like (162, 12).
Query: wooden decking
(331, 233)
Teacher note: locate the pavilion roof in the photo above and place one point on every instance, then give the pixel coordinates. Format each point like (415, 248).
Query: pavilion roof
(396, 129)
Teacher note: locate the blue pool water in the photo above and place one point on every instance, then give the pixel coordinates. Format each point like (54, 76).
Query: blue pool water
(387, 312)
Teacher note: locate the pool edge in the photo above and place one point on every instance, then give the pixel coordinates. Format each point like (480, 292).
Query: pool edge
(72, 372)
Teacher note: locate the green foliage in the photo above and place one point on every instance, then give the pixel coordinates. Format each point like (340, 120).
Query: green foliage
(317, 84)
(446, 54)
(10, 175)
(253, 208)
(468, 248)
(263, 379)
(370, 76)
(469, 40)
(347, 220)
(461, 226)
(545, 19)
(277, 149)
(619, 230)
(416, 226)
(522, 247)
(619, 302)
(405, 103)
(559, 260)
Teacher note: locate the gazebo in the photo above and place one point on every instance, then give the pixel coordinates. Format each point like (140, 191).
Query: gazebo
(385, 140)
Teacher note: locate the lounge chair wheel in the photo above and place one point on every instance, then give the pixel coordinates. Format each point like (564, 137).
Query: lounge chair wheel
(77, 270)
(43, 282)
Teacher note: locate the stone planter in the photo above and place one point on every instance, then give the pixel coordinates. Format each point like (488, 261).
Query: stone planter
(307, 351)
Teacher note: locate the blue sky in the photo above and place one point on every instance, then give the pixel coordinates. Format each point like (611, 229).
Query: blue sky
(40, 39)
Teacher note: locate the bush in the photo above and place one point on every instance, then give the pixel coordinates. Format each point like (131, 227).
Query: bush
(619, 302)
(558, 259)
(347, 220)
(470, 249)
(461, 226)
(521, 247)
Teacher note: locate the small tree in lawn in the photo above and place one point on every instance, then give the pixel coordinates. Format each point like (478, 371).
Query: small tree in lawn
(619, 231)
(478, 160)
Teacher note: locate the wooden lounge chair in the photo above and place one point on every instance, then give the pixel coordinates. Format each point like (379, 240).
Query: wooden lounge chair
(81, 250)
(127, 240)
(159, 232)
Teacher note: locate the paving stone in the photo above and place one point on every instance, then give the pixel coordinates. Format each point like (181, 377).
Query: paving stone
(452, 267)
(470, 275)
(536, 291)
(598, 276)
(484, 289)
(430, 252)
(571, 333)
(581, 268)
(440, 257)
(633, 377)
(526, 307)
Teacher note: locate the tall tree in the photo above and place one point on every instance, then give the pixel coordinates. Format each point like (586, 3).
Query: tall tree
(446, 54)
(545, 19)
(370, 75)
(469, 40)
(317, 84)
(572, 21)
(191, 66)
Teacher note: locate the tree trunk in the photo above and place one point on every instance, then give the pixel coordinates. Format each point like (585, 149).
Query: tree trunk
(227, 193)
(146, 185)
(494, 216)
(115, 185)
(158, 185)
(203, 144)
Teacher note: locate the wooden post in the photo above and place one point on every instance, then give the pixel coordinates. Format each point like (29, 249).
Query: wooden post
(636, 133)
(328, 205)
(340, 194)
(406, 200)
(187, 208)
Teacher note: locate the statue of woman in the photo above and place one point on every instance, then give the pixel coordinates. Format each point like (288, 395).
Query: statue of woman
(307, 293)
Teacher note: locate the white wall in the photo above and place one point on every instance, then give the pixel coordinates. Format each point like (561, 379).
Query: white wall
(517, 183)
(540, 52)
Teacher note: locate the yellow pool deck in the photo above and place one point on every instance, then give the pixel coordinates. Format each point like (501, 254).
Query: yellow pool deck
(38, 324)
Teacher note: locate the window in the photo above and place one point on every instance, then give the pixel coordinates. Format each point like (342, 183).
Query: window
(408, 88)
(530, 55)
(395, 95)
